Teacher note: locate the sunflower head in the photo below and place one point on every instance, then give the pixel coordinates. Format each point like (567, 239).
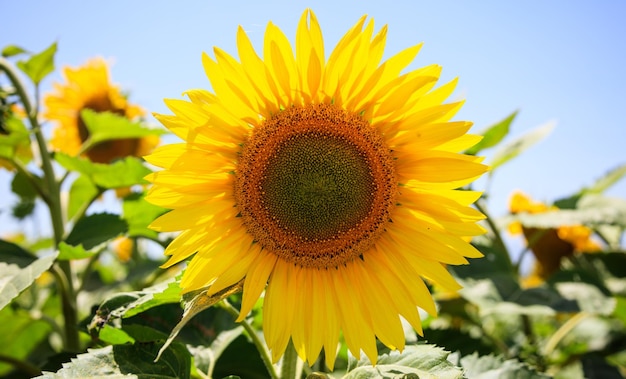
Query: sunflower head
(549, 246)
(89, 87)
(331, 181)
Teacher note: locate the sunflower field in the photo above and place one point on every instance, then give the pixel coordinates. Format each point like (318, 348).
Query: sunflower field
(321, 213)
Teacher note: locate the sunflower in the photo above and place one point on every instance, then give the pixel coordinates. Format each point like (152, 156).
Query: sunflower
(89, 87)
(332, 184)
(549, 246)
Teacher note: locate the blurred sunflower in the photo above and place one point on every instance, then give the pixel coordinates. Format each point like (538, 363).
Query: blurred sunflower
(333, 182)
(88, 87)
(549, 246)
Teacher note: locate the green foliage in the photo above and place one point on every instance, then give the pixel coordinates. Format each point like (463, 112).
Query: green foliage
(39, 65)
(16, 279)
(106, 126)
(92, 230)
(120, 174)
(519, 145)
(493, 134)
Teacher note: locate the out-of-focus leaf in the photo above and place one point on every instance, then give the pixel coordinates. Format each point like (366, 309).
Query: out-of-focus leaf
(82, 192)
(12, 50)
(493, 134)
(92, 230)
(69, 252)
(589, 298)
(123, 173)
(104, 126)
(607, 180)
(19, 335)
(139, 214)
(22, 187)
(519, 145)
(206, 357)
(38, 66)
(240, 358)
(14, 280)
(17, 136)
(420, 361)
(127, 361)
(457, 340)
(487, 367)
(596, 366)
(591, 210)
(11, 253)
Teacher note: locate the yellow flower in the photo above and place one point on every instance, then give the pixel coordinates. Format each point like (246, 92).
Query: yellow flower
(123, 248)
(88, 87)
(549, 246)
(332, 181)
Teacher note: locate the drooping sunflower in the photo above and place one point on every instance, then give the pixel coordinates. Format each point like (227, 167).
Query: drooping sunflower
(549, 246)
(330, 183)
(89, 87)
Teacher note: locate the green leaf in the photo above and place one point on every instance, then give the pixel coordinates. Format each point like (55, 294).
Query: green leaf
(14, 280)
(487, 367)
(162, 293)
(196, 302)
(114, 336)
(38, 66)
(22, 186)
(590, 299)
(120, 174)
(12, 50)
(11, 253)
(92, 230)
(420, 361)
(105, 126)
(205, 358)
(127, 361)
(20, 334)
(606, 181)
(82, 193)
(16, 135)
(239, 359)
(139, 214)
(519, 145)
(591, 210)
(69, 252)
(493, 134)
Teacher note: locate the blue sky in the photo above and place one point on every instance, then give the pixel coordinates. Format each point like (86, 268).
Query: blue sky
(560, 61)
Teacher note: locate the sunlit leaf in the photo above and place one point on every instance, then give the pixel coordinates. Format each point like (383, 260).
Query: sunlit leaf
(420, 361)
(104, 126)
(12, 50)
(120, 174)
(114, 336)
(487, 367)
(591, 210)
(127, 361)
(607, 180)
(590, 299)
(139, 214)
(69, 252)
(82, 192)
(92, 230)
(38, 66)
(519, 145)
(493, 134)
(16, 135)
(14, 279)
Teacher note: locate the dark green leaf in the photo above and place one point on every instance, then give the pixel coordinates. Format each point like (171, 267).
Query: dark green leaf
(14, 279)
(12, 50)
(104, 126)
(120, 174)
(11, 253)
(19, 335)
(519, 145)
(92, 230)
(23, 209)
(457, 340)
(596, 367)
(139, 214)
(23, 187)
(69, 252)
(490, 366)
(38, 66)
(493, 134)
(420, 361)
(127, 361)
(205, 357)
(241, 359)
(82, 193)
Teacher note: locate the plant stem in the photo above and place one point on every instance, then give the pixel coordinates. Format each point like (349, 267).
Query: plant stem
(496, 234)
(265, 356)
(53, 200)
(289, 368)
